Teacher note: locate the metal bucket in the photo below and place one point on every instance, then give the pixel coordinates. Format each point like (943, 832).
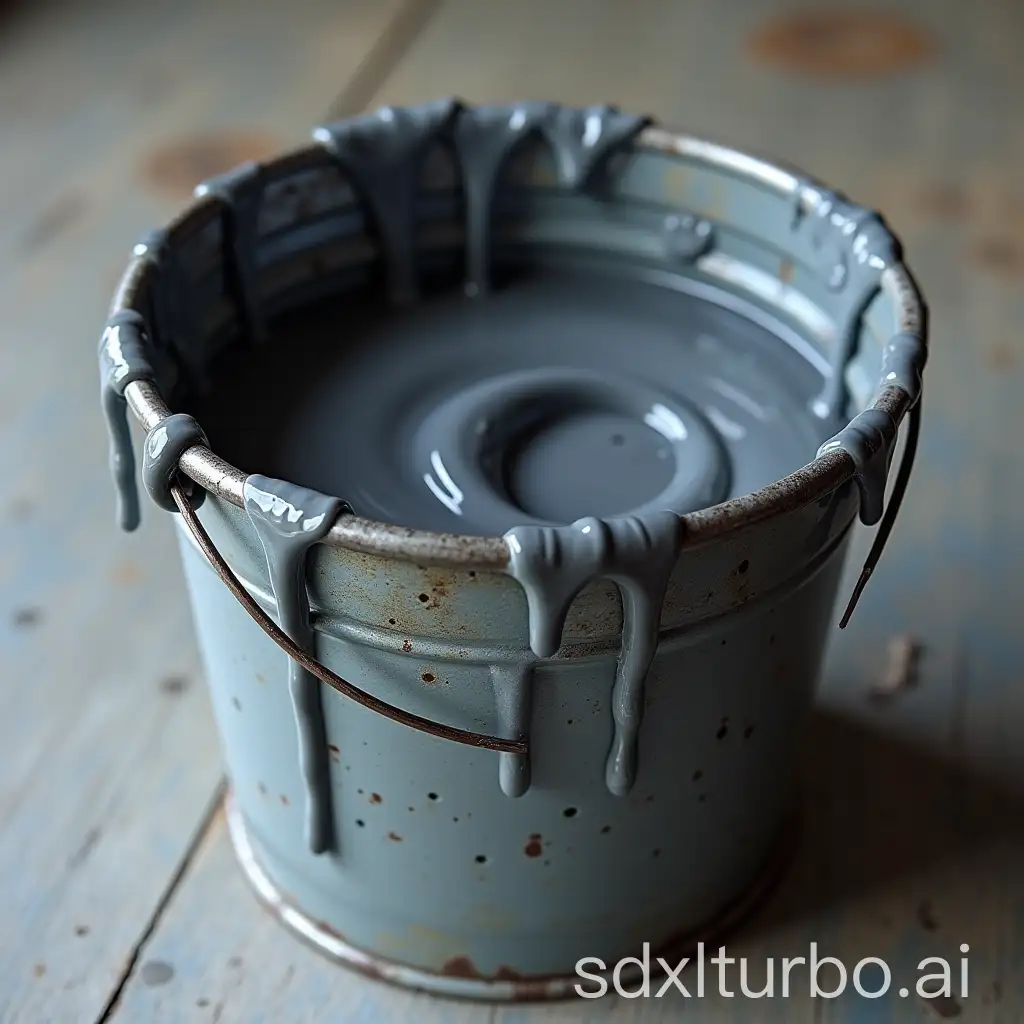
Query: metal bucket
(447, 808)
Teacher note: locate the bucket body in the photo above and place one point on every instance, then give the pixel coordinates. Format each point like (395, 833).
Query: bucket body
(436, 868)
(441, 875)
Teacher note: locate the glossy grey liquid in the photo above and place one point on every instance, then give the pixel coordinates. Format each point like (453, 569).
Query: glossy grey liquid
(288, 521)
(452, 414)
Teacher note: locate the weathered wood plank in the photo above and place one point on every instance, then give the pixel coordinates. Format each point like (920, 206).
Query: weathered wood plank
(911, 845)
(108, 757)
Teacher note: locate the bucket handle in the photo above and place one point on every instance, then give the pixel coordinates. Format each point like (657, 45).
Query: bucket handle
(311, 665)
(899, 488)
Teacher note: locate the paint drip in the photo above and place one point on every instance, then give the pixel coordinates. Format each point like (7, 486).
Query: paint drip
(553, 564)
(289, 520)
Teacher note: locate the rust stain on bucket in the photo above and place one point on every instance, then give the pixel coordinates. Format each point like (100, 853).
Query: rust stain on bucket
(177, 167)
(842, 44)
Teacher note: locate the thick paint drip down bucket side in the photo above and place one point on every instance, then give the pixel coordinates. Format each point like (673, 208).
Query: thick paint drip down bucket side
(556, 426)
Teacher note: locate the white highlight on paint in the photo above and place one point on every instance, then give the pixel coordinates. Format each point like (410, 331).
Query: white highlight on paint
(447, 492)
(517, 120)
(666, 423)
(725, 426)
(585, 529)
(157, 441)
(513, 543)
(744, 401)
(279, 508)
(386, 114)
(591, 130)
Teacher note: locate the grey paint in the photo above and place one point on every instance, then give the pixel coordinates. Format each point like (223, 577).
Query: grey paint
(513, 697)
(868, 440)
(637, 553)
(240, 191)
(853, 246)
(123, 359)
(288, 520)
(165, 444)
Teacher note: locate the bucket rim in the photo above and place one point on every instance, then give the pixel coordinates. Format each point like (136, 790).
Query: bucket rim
(806, 485)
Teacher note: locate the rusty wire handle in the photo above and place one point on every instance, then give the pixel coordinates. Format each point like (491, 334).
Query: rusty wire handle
(899, 488)
(311, 665)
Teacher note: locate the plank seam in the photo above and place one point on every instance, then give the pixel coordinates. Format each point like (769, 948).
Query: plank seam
(200, 833)
(384, 56)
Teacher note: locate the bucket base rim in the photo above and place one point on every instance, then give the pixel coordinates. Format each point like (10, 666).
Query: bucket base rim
(538, 988)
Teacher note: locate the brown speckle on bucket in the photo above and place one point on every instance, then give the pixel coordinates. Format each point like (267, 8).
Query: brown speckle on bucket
(841, 44)
(407, 646)
(533, 846)
(428, 677)
(81, 930)
(748, 732)
(698, 775)
(334, 750)
(394, 837)
(284, 800)
(236, 703)
(722, 732)
(262, 788)
(376, 798)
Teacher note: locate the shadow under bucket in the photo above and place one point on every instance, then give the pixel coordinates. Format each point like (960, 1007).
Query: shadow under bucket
(603, 402)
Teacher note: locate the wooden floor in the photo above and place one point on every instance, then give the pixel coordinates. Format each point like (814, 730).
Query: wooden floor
(119, 897)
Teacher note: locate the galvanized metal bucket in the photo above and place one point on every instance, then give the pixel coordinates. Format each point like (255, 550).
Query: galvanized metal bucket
(466, 839)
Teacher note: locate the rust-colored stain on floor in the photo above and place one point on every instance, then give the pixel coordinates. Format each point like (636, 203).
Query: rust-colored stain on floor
(842, 44)
(177, 167)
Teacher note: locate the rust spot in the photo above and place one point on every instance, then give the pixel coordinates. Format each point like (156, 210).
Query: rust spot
(177, 167)
(1000, 357)
(533, 846)
(459, 967)
(284, 800)
(173, 685)
(999, 255)
(946, 201)
(424, 598)
(126, 573)
(392, 622)
(376, 798)
(59, 217)
(394, 837)
(406, 646)
(786, 271)
(925, 917)
(334, 750)
(841, 44)
(428, 677)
